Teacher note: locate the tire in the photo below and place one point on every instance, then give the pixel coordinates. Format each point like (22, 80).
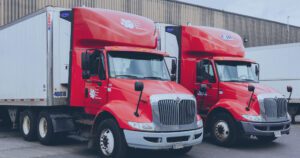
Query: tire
(28, 125)
(182, 151)
(266, 139)
(110, 141)
(224, 130)
(45, 132)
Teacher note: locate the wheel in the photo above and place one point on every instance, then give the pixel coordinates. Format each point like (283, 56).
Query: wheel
(266, 139)
(224, 131)
(181, 151)
(28, 125)
(45, 129)
(110, 141)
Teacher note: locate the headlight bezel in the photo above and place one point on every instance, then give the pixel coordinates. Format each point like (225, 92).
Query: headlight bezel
(253, 118)
(142, 126)
(199, 123)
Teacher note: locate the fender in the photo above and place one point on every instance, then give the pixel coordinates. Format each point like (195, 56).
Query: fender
(123, 112)
(234, 107)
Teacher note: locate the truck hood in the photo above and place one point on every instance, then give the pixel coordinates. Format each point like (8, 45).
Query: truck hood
(123, 91)
(151, 87)
(242, 88)
(239, 92)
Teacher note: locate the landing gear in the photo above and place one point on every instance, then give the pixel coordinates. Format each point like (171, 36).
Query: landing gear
(4, 118)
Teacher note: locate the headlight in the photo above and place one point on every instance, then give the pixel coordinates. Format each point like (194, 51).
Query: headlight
(254, 118)
(199, 123)
(142, 126)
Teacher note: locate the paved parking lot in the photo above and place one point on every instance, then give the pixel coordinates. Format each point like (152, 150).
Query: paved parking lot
(12, 146)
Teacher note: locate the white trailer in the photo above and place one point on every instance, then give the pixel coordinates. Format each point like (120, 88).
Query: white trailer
(34, 68)
(35, 60)
(279, 68)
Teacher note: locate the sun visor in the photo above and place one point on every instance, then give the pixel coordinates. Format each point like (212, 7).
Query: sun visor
(100, 27)
(208, 40)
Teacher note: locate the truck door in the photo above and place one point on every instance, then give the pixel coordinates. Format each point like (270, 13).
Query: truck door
(96, 84)
(205, 77)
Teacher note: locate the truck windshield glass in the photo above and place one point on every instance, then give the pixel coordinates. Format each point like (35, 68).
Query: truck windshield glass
(137, 65)
(236, 71)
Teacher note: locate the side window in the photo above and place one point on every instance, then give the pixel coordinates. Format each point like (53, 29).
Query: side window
(205, 71)
(97, 65)
(94, 63)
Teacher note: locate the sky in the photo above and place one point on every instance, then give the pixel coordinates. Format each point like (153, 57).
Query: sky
(276, 10)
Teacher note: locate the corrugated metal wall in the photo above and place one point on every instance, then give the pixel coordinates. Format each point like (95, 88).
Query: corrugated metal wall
(257, 31)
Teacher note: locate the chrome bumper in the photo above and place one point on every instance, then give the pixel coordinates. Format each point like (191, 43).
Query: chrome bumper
(164, 140)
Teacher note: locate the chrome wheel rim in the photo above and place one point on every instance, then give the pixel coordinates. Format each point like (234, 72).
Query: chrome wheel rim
(107, 142)
(26, 125)
(43, 127)
(221, 130)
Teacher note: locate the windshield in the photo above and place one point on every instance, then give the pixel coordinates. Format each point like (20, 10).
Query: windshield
(137, 65)
(236, 71)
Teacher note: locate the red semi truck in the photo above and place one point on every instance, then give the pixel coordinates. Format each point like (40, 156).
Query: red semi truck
(93, 70)
(230, 99)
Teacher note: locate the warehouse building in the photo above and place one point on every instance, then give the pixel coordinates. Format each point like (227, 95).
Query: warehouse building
(254, 31)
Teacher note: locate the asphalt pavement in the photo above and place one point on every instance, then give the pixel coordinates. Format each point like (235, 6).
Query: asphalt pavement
(13, 146)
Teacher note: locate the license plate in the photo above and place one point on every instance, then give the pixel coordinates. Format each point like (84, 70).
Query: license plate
(178, 146)
(277, 134)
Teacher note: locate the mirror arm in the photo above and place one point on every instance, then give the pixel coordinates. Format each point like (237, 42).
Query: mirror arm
(249, 103)
(289, 98)
(138, 104)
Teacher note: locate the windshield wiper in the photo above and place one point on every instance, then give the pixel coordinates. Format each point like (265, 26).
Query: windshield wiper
(154, 77)
(243, 80)
(250, 80)
(232, 81)
(126, 76)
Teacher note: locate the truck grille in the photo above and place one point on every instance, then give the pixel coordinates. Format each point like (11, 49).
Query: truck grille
(174, 113)
(275, 107)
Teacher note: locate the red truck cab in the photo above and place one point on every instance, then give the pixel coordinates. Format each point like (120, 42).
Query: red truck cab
(231, 100)
(119, 77)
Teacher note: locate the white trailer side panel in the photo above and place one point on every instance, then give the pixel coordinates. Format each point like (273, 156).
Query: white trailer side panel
(279, 66)
(34, 59)
(23, 66)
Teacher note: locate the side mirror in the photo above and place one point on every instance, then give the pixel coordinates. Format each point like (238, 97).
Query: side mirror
(139, 86)
(86, 74)
(102, 71)
(174, 67)
(289, 89)
(173, 77)
(251, 88)
(203, 88)
(199, 72)
(85, 60)
(257, 70)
